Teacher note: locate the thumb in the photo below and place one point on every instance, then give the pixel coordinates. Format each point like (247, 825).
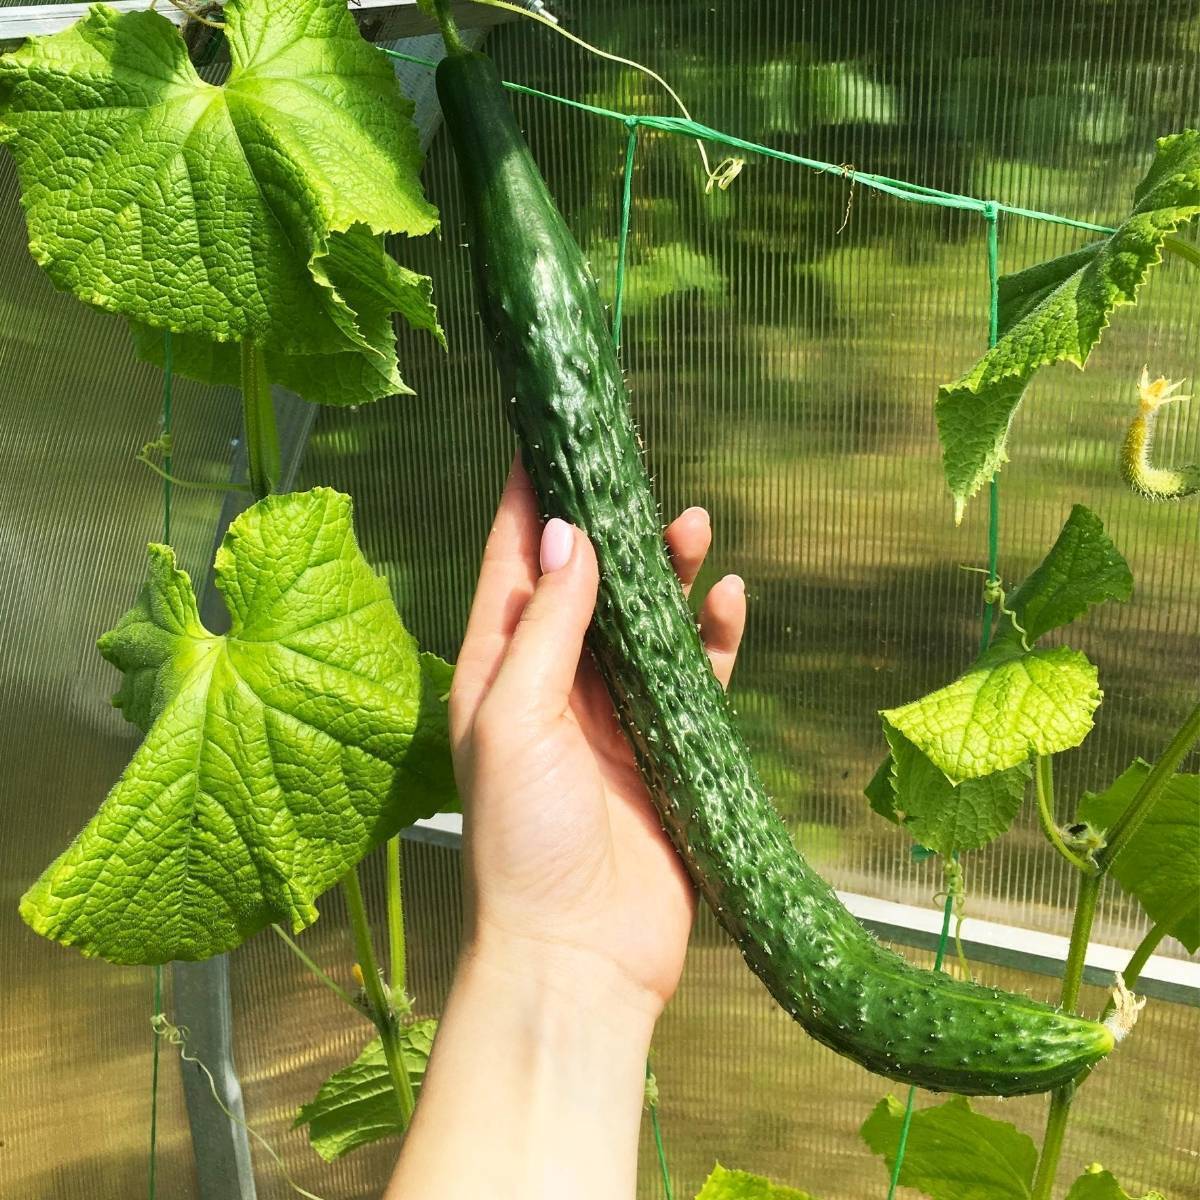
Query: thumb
(538, 671)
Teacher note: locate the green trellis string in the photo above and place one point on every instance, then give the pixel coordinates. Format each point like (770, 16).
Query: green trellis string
(991, 213)
(167, 418)
(897, 188)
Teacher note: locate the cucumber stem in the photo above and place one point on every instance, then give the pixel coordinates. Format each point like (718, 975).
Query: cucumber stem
(449, 27)
(397, 964)
(1182, 249)
(1147, 946)
(1081, 931)
(1060, 1099)
(1044, 785)
(258, 409)
(316, 971)
(380, 1006)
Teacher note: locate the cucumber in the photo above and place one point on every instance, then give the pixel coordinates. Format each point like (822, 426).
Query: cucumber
(566, 399)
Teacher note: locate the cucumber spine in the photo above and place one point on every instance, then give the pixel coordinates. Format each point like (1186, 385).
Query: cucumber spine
(549, 336)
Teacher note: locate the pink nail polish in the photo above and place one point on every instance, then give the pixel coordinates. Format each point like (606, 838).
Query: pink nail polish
(558, 540)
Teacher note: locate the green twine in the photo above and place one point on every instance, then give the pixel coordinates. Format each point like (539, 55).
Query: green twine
(991, 213)
(168, 374)
(618, 309)
(623, 236)
(167, 416)
(153, 1174)
(906, 1124)
(898, 188)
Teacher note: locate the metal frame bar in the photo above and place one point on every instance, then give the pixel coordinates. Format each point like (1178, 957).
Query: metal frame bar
(1173, 979)
(402, 17)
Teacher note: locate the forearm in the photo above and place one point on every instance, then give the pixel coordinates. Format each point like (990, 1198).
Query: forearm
(535, 1086)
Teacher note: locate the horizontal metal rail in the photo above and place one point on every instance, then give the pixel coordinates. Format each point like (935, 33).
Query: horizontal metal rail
(1173, 979)
(404, 18)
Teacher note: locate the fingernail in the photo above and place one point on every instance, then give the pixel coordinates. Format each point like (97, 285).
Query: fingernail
(696, 508)
(558, 540)
(737, 581)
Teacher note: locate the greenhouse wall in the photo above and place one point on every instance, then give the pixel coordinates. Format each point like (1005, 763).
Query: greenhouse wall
(784, 339)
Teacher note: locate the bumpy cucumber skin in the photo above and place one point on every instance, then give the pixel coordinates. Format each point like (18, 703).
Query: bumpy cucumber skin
(550, 338)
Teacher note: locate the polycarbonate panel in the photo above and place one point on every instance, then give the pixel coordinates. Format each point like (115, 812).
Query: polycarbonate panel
(76, 512)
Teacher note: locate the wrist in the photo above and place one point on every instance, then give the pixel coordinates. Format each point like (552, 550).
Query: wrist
(546, 981)
(535, 1086)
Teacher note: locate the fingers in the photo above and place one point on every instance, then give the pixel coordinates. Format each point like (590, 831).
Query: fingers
(538, 672)
(507, 576)
(688, 538)
(722, 623)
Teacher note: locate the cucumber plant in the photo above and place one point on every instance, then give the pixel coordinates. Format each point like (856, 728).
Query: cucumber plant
(243, 226)
(277, 755)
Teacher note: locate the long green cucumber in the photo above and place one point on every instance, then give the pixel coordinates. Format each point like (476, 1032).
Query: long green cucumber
(566, 400)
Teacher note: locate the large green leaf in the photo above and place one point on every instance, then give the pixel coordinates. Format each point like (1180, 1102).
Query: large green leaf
(944, 817)
(1082, 568)
(276, 756)
(741, 1185)
(1160, 864)
(357, 1105)
(1008, 706)
(1097, 1184)
(251, 210)
(1057, 311)
(954, 1153)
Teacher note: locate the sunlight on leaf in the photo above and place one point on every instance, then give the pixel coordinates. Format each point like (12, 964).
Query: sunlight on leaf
(1008, 707)
(741, 1185)
(1058, 311)
(357, 1105)
(1097, 1184)
(255, 209)
(946, 818)
(276, 756)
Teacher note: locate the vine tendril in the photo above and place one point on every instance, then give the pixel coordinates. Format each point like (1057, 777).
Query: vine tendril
(177, 1036)
(720, 176)
(956, 892)
(164, 445)
(993, 593)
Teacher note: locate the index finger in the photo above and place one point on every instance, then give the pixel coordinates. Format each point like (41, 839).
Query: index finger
(507, 576)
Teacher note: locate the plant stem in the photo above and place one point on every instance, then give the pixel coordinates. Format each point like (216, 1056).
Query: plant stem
(1160, 775)
(449, 28)
(262, 437)
(1182, 249)
(395, 915)
(1147, 946)
(1052, 1142)
(1060, 1100)
(1081, 930)
(1043, 777)
(381, 1008)
(330, 983)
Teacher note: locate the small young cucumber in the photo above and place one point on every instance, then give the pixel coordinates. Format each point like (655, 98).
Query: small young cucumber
(552, 344)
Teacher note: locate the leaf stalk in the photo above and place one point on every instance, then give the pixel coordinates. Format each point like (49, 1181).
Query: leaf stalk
(380, 1005)
(258, 409)
(1043, 778)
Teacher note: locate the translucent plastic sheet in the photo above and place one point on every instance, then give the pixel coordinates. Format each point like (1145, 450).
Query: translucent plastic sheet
(783, 373)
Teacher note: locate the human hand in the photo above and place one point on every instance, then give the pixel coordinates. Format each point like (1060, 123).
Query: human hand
(569, 874)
